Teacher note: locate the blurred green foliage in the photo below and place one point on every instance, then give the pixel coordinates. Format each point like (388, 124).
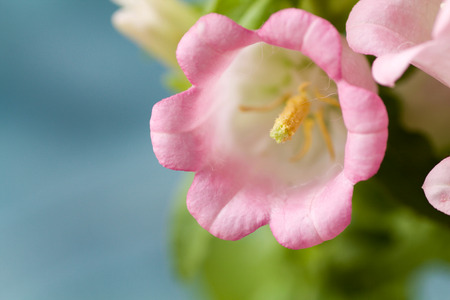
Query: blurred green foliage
(248, 13)
(252, 14)
(374, 258)
(408, 160)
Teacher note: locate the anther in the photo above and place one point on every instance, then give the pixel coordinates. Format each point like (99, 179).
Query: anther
(290, 119)
(295, 114)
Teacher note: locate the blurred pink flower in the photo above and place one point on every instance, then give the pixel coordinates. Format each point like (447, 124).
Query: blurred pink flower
(437, 186)
(219, 128)
(400, 33)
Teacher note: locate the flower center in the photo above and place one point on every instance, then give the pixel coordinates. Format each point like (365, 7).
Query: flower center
(292, 116)
(281, 115)
(297, 112)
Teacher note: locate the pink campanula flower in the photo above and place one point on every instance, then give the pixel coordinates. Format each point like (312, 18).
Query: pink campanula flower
(296, 76)
(437, 186)
(400, 33)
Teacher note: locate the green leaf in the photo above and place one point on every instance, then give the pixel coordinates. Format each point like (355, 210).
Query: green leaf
(256, 14)
(248, 13)
(334, 11)
(177, 81)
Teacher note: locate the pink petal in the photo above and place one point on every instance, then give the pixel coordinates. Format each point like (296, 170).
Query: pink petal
(378, 27)
(185, 151)
(178, 131)
(437, 186)
(331, 211)
(387, 69)
(309, 217)
(301, 31)
(442, 24)
(207, 48)
(432, 57)
(291, 222)
(363, 154)
(180, 112)
(363, 111)
(366, 118)
(356, 69)
(227, 203)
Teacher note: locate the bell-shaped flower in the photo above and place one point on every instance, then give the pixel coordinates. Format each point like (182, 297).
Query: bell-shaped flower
(437, 186)
(400, 33)
(155, 25)
(279, 125)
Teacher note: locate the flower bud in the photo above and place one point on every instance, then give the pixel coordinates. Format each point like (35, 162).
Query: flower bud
(155, 25)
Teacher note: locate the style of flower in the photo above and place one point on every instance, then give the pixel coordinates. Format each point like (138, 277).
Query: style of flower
(400, 33)
(437, 186)
(279, 125)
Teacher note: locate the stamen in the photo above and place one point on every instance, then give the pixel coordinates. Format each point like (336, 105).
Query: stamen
(290, 119)
(295, 114)
(307, 132)
(268, 107)
(325, 133)
(326, 99)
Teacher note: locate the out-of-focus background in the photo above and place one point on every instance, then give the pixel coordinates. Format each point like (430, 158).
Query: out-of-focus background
(84, 205)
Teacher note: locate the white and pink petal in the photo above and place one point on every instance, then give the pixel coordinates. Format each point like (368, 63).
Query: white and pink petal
(240, 186)
(437, 186)
(378, 27)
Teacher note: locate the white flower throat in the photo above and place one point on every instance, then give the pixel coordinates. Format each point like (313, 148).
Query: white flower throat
(280, 111)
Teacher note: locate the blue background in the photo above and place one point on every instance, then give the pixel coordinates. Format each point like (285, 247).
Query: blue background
(84, 205)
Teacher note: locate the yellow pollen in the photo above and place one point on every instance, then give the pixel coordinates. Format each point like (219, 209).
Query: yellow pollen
(295, 113)
(290, 119)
